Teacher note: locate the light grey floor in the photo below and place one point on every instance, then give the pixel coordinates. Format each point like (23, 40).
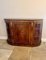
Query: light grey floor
(29, 53)
(5, 50)
(39, 53)
(8, 52)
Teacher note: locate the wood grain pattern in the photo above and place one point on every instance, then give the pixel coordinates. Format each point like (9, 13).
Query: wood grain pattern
(24, 32)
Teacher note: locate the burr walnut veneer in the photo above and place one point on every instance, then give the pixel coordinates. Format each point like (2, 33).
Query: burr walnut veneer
(24, 32)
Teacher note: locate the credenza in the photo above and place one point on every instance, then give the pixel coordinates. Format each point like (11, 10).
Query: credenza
(24, 32)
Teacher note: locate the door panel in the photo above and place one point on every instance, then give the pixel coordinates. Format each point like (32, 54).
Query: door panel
(22, 34)
(36, 34)
(19, 32)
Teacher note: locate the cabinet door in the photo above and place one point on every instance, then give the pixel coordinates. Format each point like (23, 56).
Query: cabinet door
(36, 33)
(21, 33)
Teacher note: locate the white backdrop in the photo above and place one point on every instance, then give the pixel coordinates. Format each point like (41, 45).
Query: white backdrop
(22, 9)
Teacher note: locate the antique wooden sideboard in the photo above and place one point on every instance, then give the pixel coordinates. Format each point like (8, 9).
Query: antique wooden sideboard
(24, 32)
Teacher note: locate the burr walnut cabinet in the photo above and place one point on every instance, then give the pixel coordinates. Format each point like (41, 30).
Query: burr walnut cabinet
(24, 31)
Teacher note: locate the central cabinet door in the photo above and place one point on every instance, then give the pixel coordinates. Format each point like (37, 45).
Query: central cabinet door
(20, 32)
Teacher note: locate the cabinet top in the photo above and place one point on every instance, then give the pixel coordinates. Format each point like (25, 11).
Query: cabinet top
(24, 19)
